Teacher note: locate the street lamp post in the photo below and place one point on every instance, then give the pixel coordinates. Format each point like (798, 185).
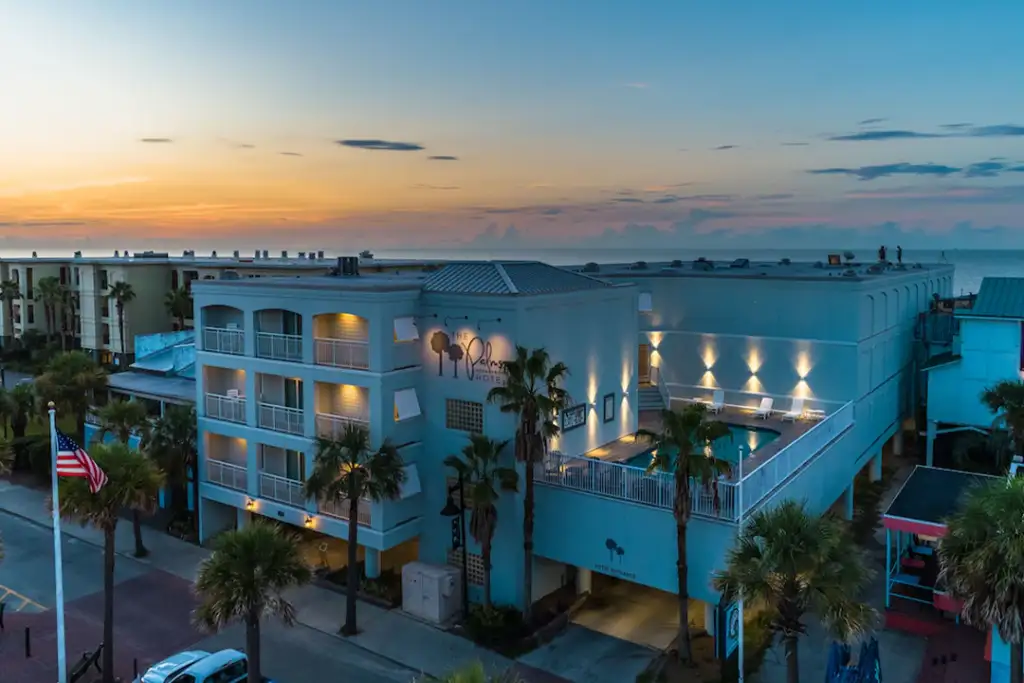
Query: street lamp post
(458, 517)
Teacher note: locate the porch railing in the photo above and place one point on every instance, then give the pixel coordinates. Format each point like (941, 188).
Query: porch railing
(227, 408)
(279, 346)
(281, 418)
(224, 340)
(282, 489)
(339, 508)
(333, 426)
(226, 474)
(342, 353)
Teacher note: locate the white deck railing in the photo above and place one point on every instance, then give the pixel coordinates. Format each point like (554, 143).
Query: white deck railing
(227, 408)
(224, 340)
(333, 426)
(278, 346)
(281, 418)
(339, 509)
(717, 499)
(226, 474)
(342, 353)
(282, 489)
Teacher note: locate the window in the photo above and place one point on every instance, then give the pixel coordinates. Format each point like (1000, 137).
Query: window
(474, 565)
(78, 276)
(405, 330)
(28, 282)
(104, 281)
(63, 275)
(645, 302)
(232, 673)
(174, 279)
(609, 407)
(189, 276)
(407, 405)
(106, 333)
(31, 314)
(466, 416)
(105, 312)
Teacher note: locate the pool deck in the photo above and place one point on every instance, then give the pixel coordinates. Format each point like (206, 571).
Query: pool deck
(629, 446)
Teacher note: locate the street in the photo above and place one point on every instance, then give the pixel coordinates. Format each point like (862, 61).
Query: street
(290, 655)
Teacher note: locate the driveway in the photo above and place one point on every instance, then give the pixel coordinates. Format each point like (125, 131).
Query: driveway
(585, 656)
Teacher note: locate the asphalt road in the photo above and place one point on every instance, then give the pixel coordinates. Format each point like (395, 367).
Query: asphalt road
(290, 654)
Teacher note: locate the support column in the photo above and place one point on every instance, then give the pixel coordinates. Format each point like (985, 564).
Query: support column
(848, 502)
(371, 559)
(709, 619)
(584, 581)
(897, 442)
(876, 467)
(930, 449)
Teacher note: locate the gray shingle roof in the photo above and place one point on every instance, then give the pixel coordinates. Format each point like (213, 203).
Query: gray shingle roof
(999, 297)
(508, 278)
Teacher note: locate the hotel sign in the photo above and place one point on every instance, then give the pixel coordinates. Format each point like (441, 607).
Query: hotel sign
(467, 356)
(574, 417)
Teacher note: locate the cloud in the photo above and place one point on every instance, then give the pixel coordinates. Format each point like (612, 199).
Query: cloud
(381, 145)
(955, 126)
(984, 169)
(442, 157)
(673, 199)
(885, 170)
(868, 122)
(952, 130)
(724, 147)
(552, 211)
(41, 224)
(875, 135)
(290, 154)
(628, 200)
(795, 144)
(156, 141)
(773, 197)
(1007, 130)
(435, 187)
(245, 145)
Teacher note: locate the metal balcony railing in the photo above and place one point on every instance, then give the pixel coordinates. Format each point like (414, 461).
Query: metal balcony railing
(226, 474)
(282, 489)
(227, 408)
(342, 353)
(339, 508)
(281, 418)
(333, 426)
(276, 346)
(224, 340)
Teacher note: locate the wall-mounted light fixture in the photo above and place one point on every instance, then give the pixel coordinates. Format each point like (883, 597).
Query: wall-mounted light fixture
(454, 317)
(488, 320)
(309, 521)
(250, 503)
(426, 315)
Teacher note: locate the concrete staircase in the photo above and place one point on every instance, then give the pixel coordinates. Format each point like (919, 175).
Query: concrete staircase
(650, 398)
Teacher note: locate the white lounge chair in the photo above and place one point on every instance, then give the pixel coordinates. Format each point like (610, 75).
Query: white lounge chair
(765, 409)
(717, 401)
(795, 412)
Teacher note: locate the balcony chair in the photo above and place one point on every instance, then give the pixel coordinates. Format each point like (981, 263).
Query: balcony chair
(764, 410)
(796, 412)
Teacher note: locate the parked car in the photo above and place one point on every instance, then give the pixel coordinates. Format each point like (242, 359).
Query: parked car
(197, 666)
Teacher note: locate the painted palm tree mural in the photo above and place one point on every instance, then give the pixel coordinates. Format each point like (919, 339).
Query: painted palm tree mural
(614, 550)
(439, 344)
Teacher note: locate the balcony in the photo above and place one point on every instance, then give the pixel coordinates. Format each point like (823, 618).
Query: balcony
(281, 418)
(339, 509)
(224, 340)
(230, 407)
(282, 489)
(226, 474)
(342, 353)
(333, 426)
(277, 346)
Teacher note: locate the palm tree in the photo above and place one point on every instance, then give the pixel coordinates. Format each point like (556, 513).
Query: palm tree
(475, 673)
(980, 559)
(1006, 400)
(122, 293)
(123, 419)
(172, 442)
(789, 563)
(483, 480)
(132, 482)
(178, 303)
(683, 447)
(244, 580)
(533, 392)
(21, 399)
(70, 380)
(50, 293)
(10, 291)
(347, 469)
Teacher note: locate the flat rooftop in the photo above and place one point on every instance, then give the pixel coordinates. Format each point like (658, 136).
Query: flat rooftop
(931, 494)
(854, 271)
(366, 282)
(177, 389)
(292, 261)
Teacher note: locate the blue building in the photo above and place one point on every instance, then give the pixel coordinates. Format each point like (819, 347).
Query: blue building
(413, 355)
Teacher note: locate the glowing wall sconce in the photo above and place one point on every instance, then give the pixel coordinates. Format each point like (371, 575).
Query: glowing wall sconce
(309, 522)
(708, 356)
(250, 504)
(803, 365)
(754, 361)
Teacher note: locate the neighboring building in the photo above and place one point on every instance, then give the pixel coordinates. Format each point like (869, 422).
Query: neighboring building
(152, 275)
(413, 356)
(986, 349)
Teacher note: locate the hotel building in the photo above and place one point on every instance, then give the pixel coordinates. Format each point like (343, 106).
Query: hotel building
(412, 356)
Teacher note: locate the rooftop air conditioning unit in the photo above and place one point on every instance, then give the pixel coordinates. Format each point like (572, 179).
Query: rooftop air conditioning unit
(235, 253)
(740, 263)
(284, 254)
(117, 254)
(591, 267)
(785, 262)
(703, 264)
(320, 255)
(302, 254)
(266, 254)
(348, 266)
(213, 254)
(35, 254)
(676, 263)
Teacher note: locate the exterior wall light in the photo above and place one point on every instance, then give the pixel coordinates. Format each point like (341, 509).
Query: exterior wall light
(309, 522)
(250, 504)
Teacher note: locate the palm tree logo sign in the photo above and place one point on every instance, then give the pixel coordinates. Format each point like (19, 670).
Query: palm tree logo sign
(614, 550)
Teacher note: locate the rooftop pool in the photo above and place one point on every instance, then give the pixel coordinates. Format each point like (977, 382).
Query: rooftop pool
(724, 448)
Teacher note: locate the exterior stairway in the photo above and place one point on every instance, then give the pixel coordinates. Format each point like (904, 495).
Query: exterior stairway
(650, 398)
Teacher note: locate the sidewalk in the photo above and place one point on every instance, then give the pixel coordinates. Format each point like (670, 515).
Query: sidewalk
(388, 633)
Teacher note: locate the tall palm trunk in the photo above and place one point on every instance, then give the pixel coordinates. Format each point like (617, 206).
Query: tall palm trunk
(528, 539)
(108, 605)
(681, 510)
(1016, 663)
(792, 661)
(252, 646)
(140, 547)
(485, 551)
(120, 332)
(352, 581)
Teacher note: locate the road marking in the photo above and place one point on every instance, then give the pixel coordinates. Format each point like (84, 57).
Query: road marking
(12, 596)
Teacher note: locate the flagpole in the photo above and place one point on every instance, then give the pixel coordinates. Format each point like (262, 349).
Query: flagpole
(58, 564)
(739, 524)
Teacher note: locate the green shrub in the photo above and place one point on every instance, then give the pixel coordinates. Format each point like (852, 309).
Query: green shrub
(495, 626)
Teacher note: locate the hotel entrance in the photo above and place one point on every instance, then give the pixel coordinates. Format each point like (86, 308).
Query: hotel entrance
(643, 364)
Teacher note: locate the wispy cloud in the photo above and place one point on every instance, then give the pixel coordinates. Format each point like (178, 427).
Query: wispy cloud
(955, 126)
(724, 147)
(290, 154)
(41, 224)
(70, 187)
(875, 135)
(885, 170)
(795, 144)
(674, 199)
(628, 200)
(422, 186)
(157, 141)
(870, 122)
(442, 157)
(773, 197)
(950, 130)
(381, 145)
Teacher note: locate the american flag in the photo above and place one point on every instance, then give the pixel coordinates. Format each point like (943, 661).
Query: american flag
(73, 461)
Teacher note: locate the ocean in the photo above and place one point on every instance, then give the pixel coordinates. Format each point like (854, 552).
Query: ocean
(971, 265)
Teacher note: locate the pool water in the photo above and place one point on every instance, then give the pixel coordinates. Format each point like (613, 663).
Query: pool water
(727, 447)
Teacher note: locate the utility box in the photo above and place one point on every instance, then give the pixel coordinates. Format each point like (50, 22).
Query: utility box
(431, 593)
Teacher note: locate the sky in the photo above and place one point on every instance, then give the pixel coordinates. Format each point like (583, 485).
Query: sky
(327, 124)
